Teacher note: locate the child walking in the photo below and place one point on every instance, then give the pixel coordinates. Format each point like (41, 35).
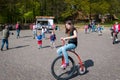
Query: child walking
(39, 40)
(86, 28)
(43, 32)
(34, 30)
(52, 39)
(99, 29)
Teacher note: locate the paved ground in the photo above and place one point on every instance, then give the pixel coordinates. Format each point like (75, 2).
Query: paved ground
(25, 62)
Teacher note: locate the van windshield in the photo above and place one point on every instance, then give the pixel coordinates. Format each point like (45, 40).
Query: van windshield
(43, 22)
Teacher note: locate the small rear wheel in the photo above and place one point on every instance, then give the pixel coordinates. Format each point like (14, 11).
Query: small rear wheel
(81, 69)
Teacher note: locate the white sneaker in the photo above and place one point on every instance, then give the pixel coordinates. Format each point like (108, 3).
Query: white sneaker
(116, 40)
(63, 66)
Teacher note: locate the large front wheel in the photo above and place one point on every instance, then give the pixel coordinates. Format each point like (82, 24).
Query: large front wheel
(58, 72)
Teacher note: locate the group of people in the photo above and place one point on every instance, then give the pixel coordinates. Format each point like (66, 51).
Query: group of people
(52, 37)
(92, 27)
(71, 31)
(72, 37)
(40, 35)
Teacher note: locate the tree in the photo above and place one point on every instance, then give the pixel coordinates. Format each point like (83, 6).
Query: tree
(26, 10)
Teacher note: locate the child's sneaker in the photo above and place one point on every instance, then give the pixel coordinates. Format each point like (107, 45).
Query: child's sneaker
(111, 37)
(116, 40)
(1, 49)
(63, 66)
(39, 47)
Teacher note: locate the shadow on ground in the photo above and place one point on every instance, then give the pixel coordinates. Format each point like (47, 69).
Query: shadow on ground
(19, 46)
(46, 46)
(58, 46)
(25, 36)
(88, 63)
(117, 42)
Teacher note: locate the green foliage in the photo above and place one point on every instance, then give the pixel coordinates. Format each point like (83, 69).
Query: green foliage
(26, 10)
(28, 15)
(101, 7)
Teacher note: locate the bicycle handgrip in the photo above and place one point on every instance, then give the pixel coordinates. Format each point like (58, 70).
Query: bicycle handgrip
(63, 42)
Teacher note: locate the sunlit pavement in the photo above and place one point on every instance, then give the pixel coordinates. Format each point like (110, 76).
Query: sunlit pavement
(24, 61)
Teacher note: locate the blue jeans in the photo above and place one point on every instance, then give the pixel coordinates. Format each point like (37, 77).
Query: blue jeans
(34, 33)
(63, 50)
(3, 42)
(18, 33)
(43, 35)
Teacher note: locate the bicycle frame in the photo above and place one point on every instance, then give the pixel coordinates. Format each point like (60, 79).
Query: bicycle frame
(78, 57)
(64, 73)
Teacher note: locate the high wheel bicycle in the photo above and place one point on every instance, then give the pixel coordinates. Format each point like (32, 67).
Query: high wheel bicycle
(66, 73)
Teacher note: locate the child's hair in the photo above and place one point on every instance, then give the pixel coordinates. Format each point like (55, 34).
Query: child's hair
(38, 33)
(67, 31)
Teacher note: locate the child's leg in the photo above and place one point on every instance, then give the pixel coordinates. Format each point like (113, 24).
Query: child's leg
(3, 42)
(51, 44)
(41, 44)
(54, 45)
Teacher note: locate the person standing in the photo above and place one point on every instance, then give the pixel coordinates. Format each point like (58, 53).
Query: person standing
(34, 30)
(5, 35)
(18, 28)
(99, 29)
(43, 32)
(39, 40)
(86, 28)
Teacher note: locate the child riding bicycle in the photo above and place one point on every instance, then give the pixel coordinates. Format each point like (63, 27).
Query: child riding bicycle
(116, 29)
(72, 42)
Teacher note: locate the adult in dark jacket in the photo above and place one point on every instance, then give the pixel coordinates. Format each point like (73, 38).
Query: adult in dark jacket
(5, 36)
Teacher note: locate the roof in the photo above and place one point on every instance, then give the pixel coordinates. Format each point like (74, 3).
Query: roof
(47, 17)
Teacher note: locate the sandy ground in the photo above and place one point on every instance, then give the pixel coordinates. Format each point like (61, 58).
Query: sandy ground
(24, 61)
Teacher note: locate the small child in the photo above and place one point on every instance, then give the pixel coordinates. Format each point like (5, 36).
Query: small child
(86, 28)
(99, 29)
(43, 32)
(39, 40)
(52, 39)
(34, 30)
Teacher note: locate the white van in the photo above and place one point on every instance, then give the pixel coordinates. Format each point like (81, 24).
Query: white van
(44, 21)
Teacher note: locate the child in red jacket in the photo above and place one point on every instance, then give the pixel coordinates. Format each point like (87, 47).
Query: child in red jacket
(116, 29)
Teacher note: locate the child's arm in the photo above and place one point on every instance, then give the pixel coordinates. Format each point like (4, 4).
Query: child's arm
(71, 37)
(36, 38)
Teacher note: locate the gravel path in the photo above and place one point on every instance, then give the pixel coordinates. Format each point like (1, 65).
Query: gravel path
(24, 61)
